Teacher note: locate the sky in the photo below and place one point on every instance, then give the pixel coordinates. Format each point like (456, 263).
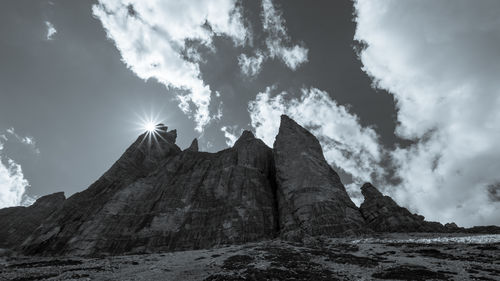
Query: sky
(404, 94)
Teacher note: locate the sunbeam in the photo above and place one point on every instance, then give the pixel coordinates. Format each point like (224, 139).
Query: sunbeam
(150, 127)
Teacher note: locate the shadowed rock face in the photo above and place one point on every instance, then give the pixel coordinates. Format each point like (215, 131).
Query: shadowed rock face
(312, 200)
(17, 223)
(382, 214)
(193, 146)
(157, 197)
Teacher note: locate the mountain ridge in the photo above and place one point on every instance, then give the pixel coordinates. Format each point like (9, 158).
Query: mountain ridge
(157, 197)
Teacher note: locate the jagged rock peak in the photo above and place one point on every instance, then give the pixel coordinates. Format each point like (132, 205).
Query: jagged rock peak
(161, 127)
(311, 197)
(194, 146)
(143, 156)
(245, 136)
(172, 135)
(287, 122)
(369, 191)
(289, 129)
(158, 200)
(285, 119)
(382, 214)
(161, 134)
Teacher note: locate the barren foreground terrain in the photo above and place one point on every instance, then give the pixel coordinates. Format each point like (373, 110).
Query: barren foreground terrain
(391, 257)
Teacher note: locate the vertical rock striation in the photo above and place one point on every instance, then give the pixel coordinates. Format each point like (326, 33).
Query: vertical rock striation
(157, 197)
(312, 200)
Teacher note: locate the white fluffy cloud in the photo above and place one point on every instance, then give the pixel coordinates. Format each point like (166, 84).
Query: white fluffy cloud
(51, 30)
(440, 60)
(231, 134)
(152, 38)
(278, 41)
(346, 144)
(251, 65)
(278, 44)
(12, 182)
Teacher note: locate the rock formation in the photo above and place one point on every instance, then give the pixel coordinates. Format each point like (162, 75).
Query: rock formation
(194, 146)
(311, 197)
(17, 223)
(157, 197)
(382, 214)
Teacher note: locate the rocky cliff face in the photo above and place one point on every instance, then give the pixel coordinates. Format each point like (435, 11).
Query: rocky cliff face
(311, 198)
(17, 223)
(382, 214)
(157, 197)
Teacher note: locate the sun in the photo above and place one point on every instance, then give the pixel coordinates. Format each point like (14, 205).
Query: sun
(150, 127)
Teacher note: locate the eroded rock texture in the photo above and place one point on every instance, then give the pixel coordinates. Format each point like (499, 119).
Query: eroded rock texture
(157, 197)
(382, 214)
(311, 198)
(17, 223)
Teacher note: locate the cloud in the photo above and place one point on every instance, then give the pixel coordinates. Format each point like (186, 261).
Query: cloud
(26, 140)
(440, 60)
(346, 144)
(278, 41)
(293, 56)
(278, 44)
(51, 30)
(153, 39)
(231, 135)
(251, 65)
(13, 185)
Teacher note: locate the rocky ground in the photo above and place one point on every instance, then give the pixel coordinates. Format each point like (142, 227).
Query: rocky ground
(387, 257)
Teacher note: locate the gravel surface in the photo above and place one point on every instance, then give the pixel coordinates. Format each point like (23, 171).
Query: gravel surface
(387, 257)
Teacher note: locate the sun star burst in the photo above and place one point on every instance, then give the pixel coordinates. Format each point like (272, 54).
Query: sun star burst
(150, 127)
